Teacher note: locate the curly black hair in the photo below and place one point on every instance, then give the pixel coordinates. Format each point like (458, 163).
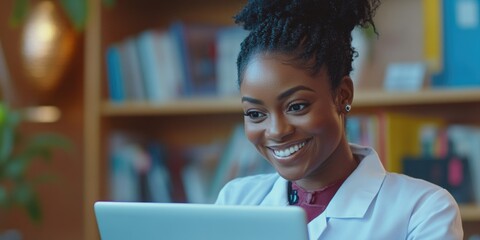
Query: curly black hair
(313, 32)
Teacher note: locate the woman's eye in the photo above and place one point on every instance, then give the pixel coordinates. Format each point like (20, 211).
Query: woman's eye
(254, 115)
(297, 107)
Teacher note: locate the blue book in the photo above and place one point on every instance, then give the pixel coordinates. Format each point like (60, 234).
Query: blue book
(114, 74)
(461, 35)
(158, 176)
(149, 65)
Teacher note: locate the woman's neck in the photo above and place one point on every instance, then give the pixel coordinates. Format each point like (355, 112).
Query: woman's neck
(339, 166)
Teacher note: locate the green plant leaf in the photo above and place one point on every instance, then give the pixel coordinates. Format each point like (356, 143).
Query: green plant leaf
(76, 11)
(40, 147)
(22, 193)
(20, 11)
(16, 168)
(49, 141)
(3, 112)
(44, 178)
(8, 133)
(109, 3)
(3, 197)
(7, 136)
(25, 196)
(34, 209)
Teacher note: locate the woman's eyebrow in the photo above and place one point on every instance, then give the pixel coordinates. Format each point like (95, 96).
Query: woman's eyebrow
(291, 91)
(252, 100)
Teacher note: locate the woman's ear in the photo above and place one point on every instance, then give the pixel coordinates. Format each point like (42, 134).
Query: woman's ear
(345, 94)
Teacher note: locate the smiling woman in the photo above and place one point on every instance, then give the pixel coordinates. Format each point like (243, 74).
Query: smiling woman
(294, 76)
(292, 108)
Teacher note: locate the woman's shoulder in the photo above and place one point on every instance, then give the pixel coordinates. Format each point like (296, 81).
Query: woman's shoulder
(429, 206)
(416, 190)
(407, 183)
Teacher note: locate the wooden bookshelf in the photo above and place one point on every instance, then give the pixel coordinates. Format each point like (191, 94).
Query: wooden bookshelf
(101, 116)
(363, 99)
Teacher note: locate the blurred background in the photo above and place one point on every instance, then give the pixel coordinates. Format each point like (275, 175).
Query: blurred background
(137, 101)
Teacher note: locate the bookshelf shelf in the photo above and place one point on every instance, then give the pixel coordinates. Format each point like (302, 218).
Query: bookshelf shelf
(470, 212)
(194, 106)
(441, 96)
(213, 105)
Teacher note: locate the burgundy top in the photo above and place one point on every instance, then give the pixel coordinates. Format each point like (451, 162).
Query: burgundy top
(315, 202)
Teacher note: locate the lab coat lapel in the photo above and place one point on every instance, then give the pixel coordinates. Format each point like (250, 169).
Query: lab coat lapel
(355, 195)
(317, 226)
(278, 194)
(359, 190)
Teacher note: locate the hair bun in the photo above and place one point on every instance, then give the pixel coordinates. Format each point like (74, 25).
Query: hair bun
(341, 14)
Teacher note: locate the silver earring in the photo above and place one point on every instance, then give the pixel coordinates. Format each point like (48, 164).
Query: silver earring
(348, 107)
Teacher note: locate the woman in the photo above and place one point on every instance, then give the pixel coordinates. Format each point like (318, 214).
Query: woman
(293, 72)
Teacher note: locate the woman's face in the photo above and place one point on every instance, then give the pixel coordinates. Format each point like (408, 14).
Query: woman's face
(291, 117)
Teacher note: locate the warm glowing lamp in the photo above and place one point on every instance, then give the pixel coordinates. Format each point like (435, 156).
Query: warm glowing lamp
(47, 46)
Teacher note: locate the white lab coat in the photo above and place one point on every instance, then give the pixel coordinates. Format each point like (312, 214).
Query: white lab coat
(371, 204)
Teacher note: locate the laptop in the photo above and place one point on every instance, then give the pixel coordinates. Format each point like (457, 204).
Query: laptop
(179, 221)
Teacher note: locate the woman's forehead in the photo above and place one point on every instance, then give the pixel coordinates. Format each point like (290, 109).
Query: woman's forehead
(271, 74)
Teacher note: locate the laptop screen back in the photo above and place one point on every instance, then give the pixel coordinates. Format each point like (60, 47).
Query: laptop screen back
(175, 221)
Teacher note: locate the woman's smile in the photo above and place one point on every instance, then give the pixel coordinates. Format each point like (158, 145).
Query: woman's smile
(286, 151)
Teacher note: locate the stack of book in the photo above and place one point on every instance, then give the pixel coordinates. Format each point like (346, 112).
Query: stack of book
(185, 60)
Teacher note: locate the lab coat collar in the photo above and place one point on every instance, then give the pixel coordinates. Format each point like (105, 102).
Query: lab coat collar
(278, 194)
(359, 190)
(354, 196)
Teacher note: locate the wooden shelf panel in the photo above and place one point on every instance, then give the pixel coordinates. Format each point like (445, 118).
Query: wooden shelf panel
(470, 212)
(441, 96)
(194, 106)
(362, 99)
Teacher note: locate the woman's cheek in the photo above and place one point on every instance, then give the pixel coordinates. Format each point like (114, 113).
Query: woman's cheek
(253, 133)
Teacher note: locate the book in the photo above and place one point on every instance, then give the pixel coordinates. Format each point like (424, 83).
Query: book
(363, 130)
(200, 167)
(451, 173)
(158, 176)
(152, 62)
(196, 45)
(124, 178)
(134, 82)
(403, 137)
(461, 31)
(465, 142)
(392, 135)
(115, 74)
(450, 159)
(433, 39)
(228, 48)
(138, 171)
(175, 163)
(170, 64)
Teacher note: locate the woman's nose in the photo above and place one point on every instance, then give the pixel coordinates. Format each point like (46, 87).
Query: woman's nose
(279, 128)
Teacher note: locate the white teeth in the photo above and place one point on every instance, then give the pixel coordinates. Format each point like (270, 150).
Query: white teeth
(289, 151)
